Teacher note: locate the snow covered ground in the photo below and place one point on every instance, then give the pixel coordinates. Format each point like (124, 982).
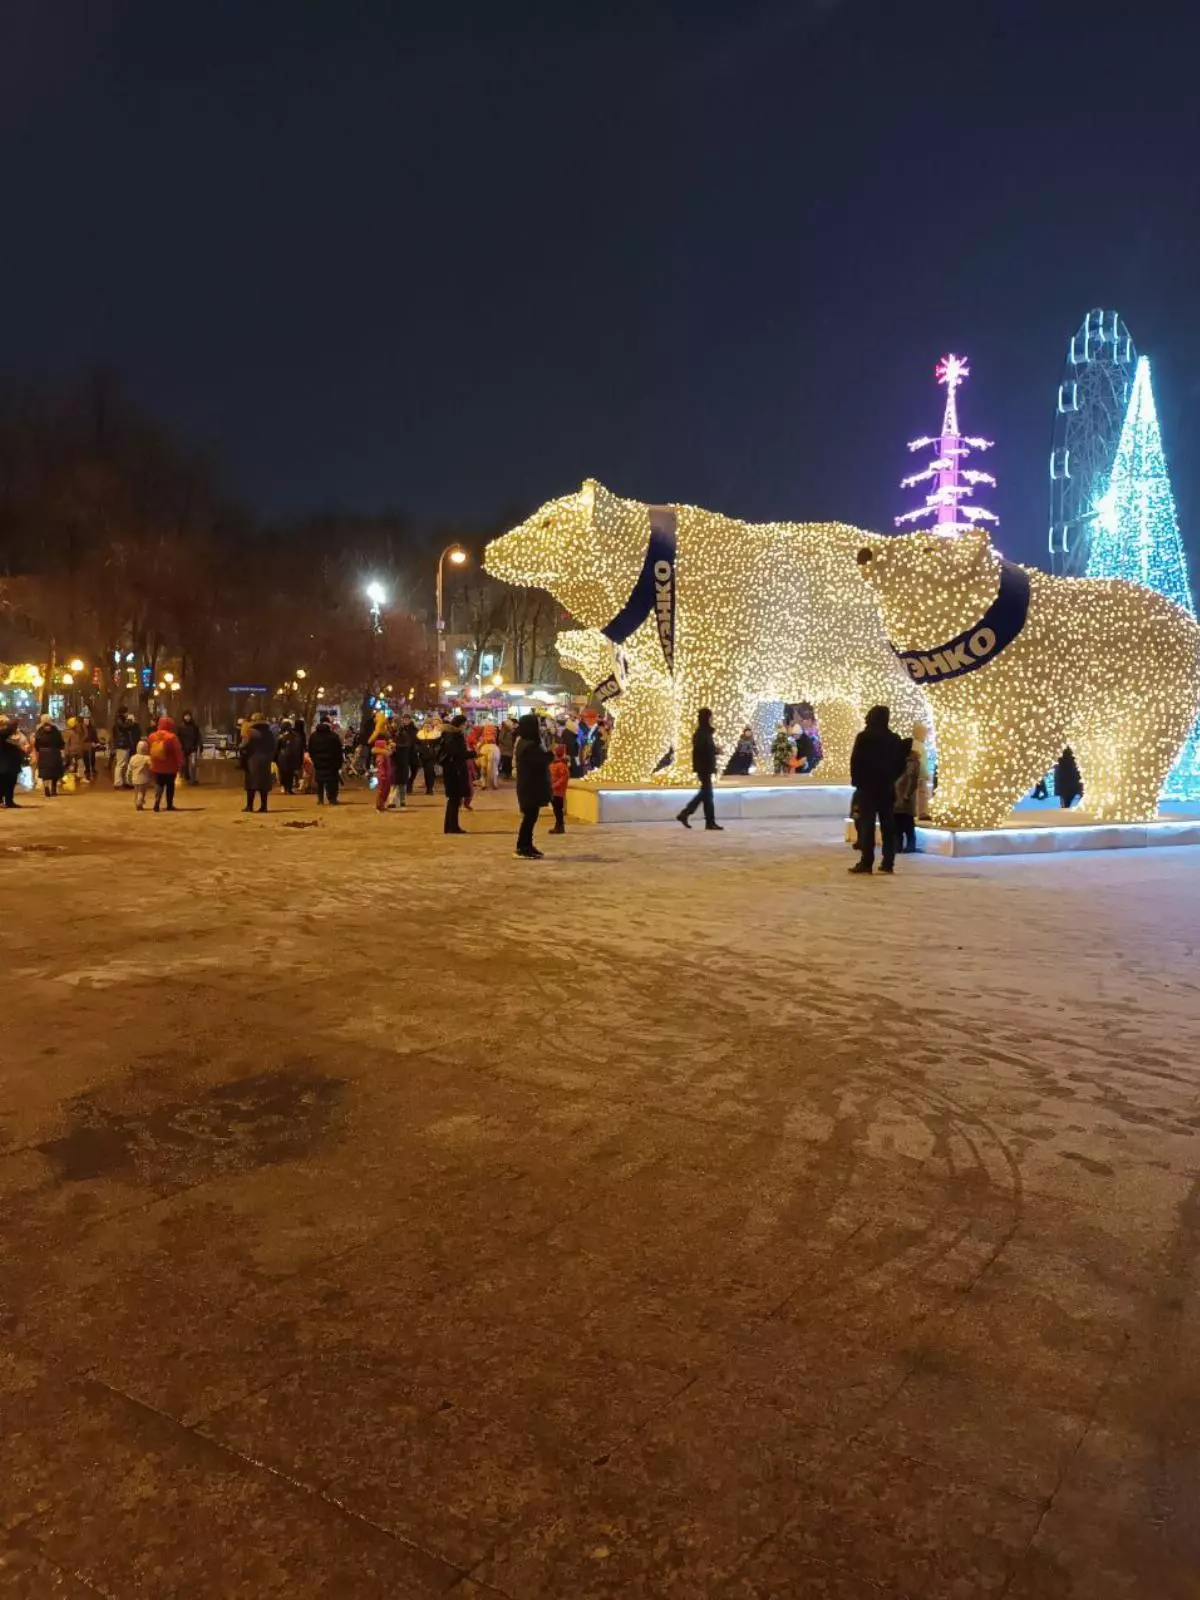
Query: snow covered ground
(677, 1216)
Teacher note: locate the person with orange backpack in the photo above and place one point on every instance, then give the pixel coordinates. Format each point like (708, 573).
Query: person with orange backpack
(166, 761)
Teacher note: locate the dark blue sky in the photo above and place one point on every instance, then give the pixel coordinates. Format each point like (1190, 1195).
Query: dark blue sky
(704, 252)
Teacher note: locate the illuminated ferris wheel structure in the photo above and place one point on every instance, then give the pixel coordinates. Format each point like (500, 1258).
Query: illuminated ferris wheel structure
(1092, 399)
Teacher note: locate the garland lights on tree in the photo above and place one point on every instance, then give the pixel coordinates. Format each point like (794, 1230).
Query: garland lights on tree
(948, 507)
(1136, 536)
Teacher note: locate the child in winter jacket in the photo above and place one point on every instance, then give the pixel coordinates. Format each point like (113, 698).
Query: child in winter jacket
(560, 777)
(905, 803)
(382, 751)
(140, 774)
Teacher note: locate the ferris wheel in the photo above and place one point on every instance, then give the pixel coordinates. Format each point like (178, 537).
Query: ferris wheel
(1092, 397)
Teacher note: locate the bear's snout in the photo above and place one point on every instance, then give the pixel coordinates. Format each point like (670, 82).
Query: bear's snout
(865, 555)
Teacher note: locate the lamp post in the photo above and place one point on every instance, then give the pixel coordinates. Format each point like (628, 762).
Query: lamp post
(457, 557)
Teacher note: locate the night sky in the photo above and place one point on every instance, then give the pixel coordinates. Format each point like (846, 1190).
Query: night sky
(704, 252)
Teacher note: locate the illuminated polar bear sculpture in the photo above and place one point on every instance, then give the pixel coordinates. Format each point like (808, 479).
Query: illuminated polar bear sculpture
(1018, 665)
(644, 711)
(736, 612)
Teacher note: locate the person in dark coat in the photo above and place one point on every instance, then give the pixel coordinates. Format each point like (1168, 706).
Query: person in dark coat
(258, 752)
(1068, 785)
(404, 753)
(876, 762)
(49, 744)
(125, 736)
(454, 772)
(532, 761)
(704, 765)
(507, 740)
(188, 732)
(289, 755)
(12, 759)
(326, 752)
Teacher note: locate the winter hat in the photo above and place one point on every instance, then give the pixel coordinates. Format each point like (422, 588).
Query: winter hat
(143, 748)
(165, 725)
(560, 752)
(527, 727)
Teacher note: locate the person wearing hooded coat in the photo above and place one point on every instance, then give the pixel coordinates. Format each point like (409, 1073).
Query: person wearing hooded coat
(166, 760)
(704, 765)
(289, 755)
(48, 743)
(258, 752)
(326, 752)
(12, 759)
(532, 761)
(454, 772)
(189, 742)
(876, 762)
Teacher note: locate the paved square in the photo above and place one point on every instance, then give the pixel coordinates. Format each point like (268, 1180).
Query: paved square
(383, 1216)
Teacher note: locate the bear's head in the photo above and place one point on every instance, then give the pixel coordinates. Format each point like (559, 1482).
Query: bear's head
(930, 587)
(586, 548)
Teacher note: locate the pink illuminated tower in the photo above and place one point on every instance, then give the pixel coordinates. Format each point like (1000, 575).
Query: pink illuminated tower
(947, 509)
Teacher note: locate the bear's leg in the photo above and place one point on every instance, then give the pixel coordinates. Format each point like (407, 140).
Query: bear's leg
(1123, 775)
(839, 723)
(986, 764)
(643, 733)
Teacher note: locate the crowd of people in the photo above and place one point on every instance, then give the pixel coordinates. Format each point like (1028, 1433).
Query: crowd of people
(892, 777)
(542, 754)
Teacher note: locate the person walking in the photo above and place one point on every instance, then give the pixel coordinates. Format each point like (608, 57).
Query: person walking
(381, 752)
(166, 761)
(404, 757)
(454, 772)
(288, 756)
(704, 765)
(141, 774)
(258, 755)
(326, 752)
(74, 747)
(532, 761)
(125, 736)
(91, 740)
(48, 743)
(876, 762)
(428, 742)
(190, 742)
(13, 756)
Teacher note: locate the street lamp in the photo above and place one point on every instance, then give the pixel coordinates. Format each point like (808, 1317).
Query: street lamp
(457, 556)
(376, 594)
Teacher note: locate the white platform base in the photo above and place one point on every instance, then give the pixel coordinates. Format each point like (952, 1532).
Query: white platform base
(1037, 838)
(737, 799)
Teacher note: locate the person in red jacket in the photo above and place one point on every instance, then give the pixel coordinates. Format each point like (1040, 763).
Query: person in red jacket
(166, 760)
(560, 777)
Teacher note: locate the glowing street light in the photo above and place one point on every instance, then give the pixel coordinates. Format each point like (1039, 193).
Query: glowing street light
(457, 557)
(168, 677)
(300, 672)
(497, 681)
(76, 665)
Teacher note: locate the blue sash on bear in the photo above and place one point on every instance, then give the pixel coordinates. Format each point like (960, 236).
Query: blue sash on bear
(654, 589)
(968, 651)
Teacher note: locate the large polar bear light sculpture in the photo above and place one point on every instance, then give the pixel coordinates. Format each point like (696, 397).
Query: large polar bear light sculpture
(1018, 665)
(736, 613)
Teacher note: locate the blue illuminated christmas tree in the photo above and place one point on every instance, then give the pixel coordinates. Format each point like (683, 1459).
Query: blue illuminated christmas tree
(1136, 536)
